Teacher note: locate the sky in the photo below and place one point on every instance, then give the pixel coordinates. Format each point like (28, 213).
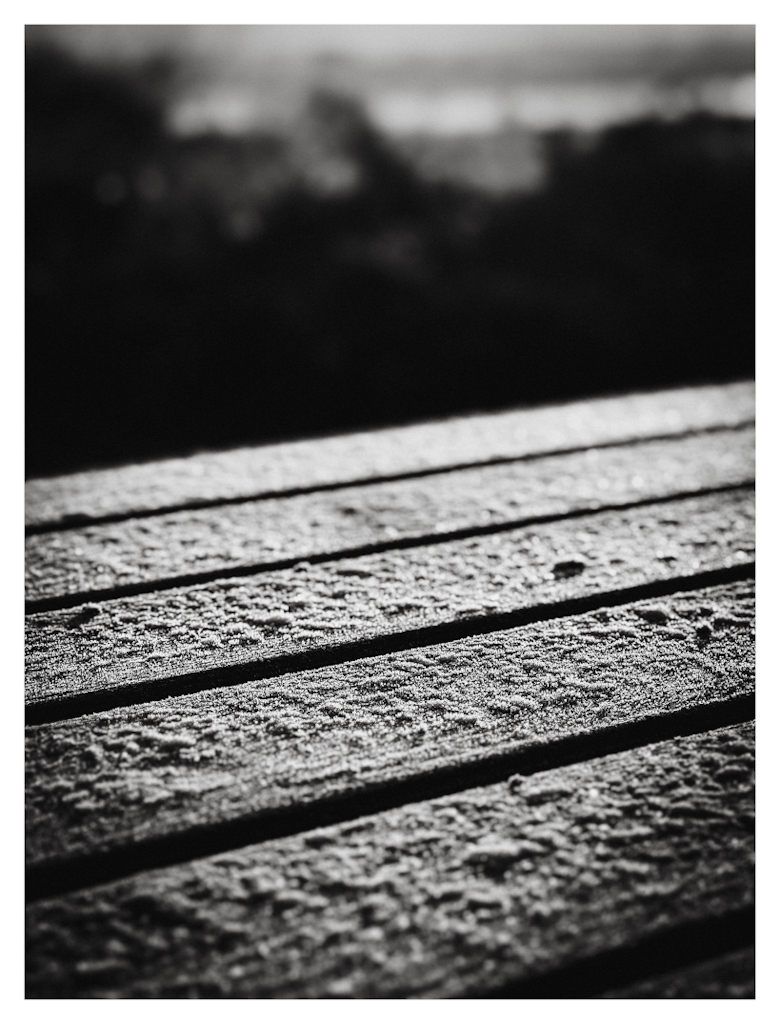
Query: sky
(439, 78)
(572, 47)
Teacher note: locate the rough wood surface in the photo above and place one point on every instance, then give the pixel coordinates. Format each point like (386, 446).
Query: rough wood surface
(457, 896)
(378, 715)
(726, 977)
(306, 464)
(216, 540)
(133, 773)
(245, 621)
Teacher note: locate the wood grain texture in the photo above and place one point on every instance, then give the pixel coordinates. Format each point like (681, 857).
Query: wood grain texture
(457, 896)
(218, 540)
(112, 779)
(309, 607)
(250, 472)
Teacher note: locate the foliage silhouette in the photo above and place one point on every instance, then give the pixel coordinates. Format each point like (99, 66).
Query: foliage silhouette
(192, 293)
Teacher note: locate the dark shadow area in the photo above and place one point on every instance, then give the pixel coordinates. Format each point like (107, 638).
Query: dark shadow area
(209, 291)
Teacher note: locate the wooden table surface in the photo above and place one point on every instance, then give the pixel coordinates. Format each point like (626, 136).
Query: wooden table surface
(461, 709)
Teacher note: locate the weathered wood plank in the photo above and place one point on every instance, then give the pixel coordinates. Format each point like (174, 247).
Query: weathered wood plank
(727, 977)
(112, 779)
(457, 896)
(311, 607)
(142, 551)
(305, 464)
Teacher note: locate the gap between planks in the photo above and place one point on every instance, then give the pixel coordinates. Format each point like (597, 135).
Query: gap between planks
(55, 709)
(67, 874)
(668, 949)
(231, 926)
(75, 521)
(65, 601)
(729, 974)
(111, 780)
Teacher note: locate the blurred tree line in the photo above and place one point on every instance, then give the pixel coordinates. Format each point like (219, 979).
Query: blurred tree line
(185, 293)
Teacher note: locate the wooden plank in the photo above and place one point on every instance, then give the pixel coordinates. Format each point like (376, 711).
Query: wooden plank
(181, 544)
(462, 895)
(726, 977)
(134, 774)
(132, 641)
(249, 472)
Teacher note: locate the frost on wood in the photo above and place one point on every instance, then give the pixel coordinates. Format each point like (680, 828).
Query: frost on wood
(456, 896)
(247, 472)
(264, 532)
(125, 775)
(315, 606)
(449, 897)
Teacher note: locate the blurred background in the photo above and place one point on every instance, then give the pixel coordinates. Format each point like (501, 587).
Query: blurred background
(244, 234)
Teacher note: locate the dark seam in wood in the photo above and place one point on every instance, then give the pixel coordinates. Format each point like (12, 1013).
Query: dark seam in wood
(61, 875)
(53, 709)
(666, 949)
(59, 603)
(77, 521)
